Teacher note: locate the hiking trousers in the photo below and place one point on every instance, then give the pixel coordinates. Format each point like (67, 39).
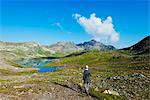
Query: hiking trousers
(86, 87)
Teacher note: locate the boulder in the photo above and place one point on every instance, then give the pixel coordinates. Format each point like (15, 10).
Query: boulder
(107, 91)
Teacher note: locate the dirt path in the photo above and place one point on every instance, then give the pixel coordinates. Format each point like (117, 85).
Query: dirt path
(42, 91)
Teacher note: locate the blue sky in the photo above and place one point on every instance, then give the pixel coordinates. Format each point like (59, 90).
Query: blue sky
(50, 21)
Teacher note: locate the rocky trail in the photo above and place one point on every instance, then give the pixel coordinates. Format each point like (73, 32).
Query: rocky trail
(43, 91)
(31, 87)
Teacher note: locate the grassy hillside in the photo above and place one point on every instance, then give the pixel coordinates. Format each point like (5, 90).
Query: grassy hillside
(142, 46)
(116, 58)
(118, 70)
(13, 51)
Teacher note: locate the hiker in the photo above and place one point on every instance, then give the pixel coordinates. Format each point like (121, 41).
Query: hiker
(86, 79)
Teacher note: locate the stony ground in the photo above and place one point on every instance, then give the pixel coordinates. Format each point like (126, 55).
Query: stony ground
(25, 84)
(124, 72)
(127, 77)
(18, 83)
(42, 91)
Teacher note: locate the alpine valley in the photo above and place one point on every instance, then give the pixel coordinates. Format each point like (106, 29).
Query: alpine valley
(116, 74)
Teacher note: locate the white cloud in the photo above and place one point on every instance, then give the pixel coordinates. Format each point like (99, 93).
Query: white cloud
(57, 24)
(101, 30)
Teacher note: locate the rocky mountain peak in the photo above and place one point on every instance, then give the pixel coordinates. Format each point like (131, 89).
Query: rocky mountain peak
(94, 41)
(93, 44)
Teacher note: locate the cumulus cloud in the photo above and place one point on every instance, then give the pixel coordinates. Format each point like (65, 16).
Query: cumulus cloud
(101, 30)
(57, 24)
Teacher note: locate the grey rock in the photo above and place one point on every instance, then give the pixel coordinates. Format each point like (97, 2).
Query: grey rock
(93, 44)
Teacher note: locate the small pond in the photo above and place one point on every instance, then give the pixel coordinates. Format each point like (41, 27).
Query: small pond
(48, 69)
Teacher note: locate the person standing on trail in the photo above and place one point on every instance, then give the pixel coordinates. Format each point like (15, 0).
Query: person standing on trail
(86, 79)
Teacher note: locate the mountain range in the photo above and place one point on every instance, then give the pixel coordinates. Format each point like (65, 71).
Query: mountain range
(33, 49)
(69, 47)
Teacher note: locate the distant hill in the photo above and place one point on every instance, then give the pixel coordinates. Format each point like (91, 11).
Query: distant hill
(22, 50)
(93, 44)
(142, 46)
(64, 47)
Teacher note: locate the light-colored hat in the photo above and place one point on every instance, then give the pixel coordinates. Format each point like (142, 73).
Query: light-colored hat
(86, 66)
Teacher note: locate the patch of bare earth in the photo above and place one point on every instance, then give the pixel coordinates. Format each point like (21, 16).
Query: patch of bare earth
(42, 91)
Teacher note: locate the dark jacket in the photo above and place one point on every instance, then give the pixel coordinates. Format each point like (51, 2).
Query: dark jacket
(86, 76)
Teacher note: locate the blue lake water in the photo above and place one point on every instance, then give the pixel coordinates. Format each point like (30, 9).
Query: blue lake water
(43, 68)
(48, 69)
(38, 64)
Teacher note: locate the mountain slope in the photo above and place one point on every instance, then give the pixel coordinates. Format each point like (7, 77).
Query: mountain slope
(22, 50)
(142, 46)
(64, 47)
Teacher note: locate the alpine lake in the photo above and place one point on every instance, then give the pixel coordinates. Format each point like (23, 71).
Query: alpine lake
(38, 63)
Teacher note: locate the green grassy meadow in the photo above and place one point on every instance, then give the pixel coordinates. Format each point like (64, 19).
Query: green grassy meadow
(123, 72)
(110, 70)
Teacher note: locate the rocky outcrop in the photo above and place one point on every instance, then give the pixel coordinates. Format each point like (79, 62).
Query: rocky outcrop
(95, 45)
